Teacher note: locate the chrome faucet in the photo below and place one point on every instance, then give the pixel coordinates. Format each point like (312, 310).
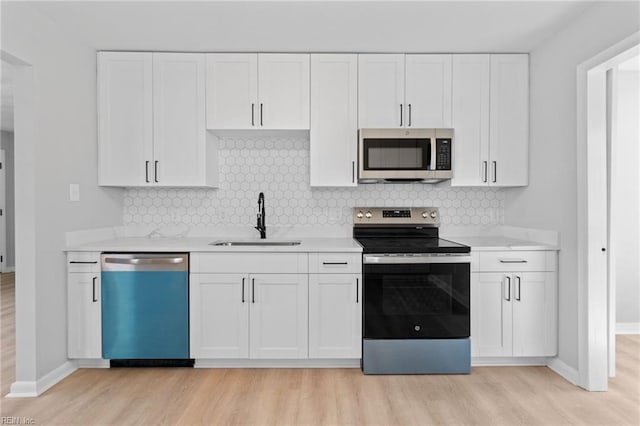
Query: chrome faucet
(262, 225)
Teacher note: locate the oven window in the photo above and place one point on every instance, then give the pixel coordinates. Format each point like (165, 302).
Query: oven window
(415, 295)
(404, 301)
(397, 154)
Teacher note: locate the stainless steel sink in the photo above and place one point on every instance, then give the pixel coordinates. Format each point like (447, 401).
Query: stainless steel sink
(256, 243)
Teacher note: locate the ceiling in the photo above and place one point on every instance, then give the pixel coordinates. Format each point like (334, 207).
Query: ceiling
(6, 95)
(313, 26)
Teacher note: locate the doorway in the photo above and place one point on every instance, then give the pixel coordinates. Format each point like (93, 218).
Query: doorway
(596, 298)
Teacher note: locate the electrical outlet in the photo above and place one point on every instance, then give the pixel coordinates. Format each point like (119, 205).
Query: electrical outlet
(74, 192)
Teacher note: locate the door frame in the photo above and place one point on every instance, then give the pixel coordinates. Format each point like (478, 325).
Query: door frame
(592, 221)
(3, 212)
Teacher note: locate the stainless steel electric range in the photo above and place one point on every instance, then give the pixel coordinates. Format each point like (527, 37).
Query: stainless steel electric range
(416, 293)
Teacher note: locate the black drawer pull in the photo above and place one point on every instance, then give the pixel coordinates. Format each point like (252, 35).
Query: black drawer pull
(335, 263)
(82, 262)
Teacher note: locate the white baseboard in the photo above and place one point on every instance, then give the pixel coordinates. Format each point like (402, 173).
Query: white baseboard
(507, 361)
(91, 363)
(567, 372)
(33, 389)
(628, 328)
(277, 363)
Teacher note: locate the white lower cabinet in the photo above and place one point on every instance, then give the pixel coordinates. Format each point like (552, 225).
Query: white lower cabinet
(278, 316)
(514, 311)
(335, 316)
(248, 305)
(84, 313)
(219, 312)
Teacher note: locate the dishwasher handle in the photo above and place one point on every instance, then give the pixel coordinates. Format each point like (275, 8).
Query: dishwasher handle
(145, 260)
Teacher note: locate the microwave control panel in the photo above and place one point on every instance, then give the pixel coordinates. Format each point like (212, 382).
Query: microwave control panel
(443, 154)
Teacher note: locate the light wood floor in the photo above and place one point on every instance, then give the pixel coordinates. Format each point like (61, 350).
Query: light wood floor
(489, 396)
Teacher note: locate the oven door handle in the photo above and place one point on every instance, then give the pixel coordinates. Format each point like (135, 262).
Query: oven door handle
(383, 259)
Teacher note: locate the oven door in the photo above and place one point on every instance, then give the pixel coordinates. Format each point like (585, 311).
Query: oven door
(416, 296)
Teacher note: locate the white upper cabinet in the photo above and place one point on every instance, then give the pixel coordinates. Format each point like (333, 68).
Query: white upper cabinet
(334, 119)
(151, 115)
(232, 90)
(509, 122)
(490, 118)
(125, 117)
(397, 90)
(283, 91)
(428, 90)
(380, 90)
(470, 119)
(179, 119)
(257, 91)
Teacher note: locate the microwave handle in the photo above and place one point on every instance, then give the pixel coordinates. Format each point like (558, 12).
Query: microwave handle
(432, 166)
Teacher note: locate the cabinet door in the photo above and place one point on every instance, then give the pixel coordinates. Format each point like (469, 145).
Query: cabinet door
(381, 91)
(278, 317)
(232, 90)
(179, 119)
(283, 91)
(334, 120)
(428, 90)
(470, 116)
(335, 316)
(84, 316)
(509, 122)
(534, 317)
(125, 118)
(491, 315)
(219, 316)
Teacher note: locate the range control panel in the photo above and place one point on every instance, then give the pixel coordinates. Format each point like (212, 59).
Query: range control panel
(396, 215)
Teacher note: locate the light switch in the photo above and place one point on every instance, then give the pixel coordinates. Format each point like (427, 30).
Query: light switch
(74, 192)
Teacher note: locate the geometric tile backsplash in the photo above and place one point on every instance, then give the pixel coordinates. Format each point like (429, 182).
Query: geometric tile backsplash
(279, 167)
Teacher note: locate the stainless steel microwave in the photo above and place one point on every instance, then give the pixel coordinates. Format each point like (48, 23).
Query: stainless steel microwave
(405, 155)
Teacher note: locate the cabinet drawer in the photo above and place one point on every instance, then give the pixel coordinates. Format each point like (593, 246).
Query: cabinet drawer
(517, 261)
(249, 263)
(82, 261)
(335, 263)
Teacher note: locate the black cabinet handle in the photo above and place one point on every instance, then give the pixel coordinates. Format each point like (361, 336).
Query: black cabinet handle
(82, 262)
(357, 290)
(508, 298)
(155, 171)
(409, 124)
(253, 290)
(243, 290)
(253, 121)
(334, 263)
(485, 168)
(146, 171)
(353, 172)
(400, 115)
(495, 171)
(518, 288)
(94, 289)
(261, 114)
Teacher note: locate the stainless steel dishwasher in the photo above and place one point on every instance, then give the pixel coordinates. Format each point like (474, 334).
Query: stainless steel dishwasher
(145, 308)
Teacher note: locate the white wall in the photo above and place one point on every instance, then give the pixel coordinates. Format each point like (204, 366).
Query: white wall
(64, 151)
(550, 201)
(6, 143)
(626, 198)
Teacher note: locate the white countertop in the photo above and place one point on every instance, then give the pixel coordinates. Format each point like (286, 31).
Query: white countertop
(202, 244)
(499, 243)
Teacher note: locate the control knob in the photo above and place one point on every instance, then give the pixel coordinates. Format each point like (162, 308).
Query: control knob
(368, 215)
(433, 215)
(360, 215)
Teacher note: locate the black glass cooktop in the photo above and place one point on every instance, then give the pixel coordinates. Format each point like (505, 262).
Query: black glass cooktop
(410, 245)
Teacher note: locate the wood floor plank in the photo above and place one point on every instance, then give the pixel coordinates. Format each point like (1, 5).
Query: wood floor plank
(489, 396)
